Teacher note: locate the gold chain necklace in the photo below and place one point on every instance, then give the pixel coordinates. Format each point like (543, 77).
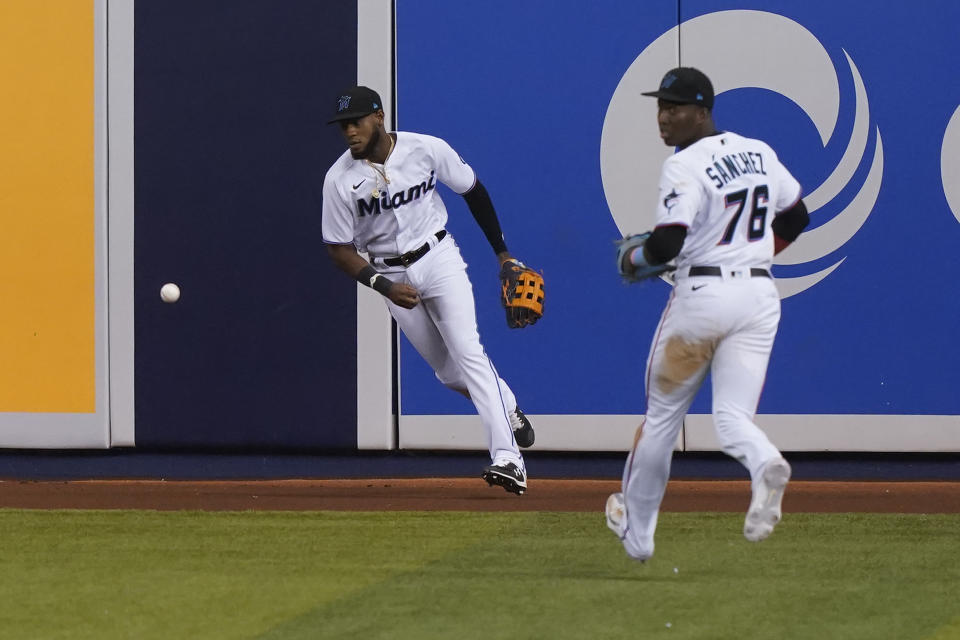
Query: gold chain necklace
(380, 173)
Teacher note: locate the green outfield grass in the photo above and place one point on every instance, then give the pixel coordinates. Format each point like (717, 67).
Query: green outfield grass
(178, 575)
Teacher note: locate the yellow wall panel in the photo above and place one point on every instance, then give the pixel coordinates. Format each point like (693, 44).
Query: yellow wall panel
(47, 242)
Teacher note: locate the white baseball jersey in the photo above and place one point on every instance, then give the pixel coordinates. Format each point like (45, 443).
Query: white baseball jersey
(389, 219)
(726, 189)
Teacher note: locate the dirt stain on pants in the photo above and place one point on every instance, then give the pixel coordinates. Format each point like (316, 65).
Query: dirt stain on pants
(682, 359)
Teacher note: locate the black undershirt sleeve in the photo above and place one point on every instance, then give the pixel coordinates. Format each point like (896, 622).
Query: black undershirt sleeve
(664, 244)
(482, 209)
(790, 222)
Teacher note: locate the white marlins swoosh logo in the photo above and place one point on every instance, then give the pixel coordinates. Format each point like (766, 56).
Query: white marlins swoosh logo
(795, 65)
(950, 164)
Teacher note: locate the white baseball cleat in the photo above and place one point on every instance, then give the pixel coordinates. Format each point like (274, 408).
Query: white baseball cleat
(616, 514)
(617, 521)
(765, 512)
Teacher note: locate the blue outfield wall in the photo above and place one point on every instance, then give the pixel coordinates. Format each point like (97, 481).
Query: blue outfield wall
(258, 359)
(253, 373)
(524, 92)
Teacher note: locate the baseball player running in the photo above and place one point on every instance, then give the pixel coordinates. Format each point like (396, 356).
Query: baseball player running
(726, 206)
(381, 197)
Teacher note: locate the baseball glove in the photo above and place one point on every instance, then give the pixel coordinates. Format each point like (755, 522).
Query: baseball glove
(631, 272)
(521, 293)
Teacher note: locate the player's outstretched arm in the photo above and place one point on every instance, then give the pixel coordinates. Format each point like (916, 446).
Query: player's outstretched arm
(347, 259)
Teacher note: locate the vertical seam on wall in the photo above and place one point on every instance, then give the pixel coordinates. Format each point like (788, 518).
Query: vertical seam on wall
(679, 33)
(394, 333)
(393, 63)
(683, 427)
(106, 199)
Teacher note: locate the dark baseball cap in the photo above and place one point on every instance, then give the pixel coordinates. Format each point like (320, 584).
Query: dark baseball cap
(356, 102)
(685, 85)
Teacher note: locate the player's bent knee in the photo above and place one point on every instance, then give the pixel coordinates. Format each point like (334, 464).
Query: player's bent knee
(454, 383)
(459, 389)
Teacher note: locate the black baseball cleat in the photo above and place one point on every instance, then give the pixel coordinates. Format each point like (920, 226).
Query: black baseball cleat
(522, 429)
(508, 475)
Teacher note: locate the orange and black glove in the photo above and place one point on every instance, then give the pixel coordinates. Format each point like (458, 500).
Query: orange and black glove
(521, 293)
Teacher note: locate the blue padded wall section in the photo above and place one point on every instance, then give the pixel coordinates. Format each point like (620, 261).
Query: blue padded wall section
(231, 101)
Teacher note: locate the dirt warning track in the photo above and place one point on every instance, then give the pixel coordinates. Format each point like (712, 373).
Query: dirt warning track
(463, 494)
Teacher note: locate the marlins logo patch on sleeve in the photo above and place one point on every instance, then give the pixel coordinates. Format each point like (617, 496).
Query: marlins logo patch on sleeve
(671, 199)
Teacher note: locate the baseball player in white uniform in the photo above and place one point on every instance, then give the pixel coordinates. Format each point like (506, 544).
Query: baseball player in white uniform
(726, 206)
(381, 197)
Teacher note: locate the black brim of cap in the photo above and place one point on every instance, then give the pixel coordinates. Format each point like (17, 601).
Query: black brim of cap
(349, 115)
(670, 97)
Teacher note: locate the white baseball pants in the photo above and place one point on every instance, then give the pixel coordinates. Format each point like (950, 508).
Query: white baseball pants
(443, 329)
(725, 324)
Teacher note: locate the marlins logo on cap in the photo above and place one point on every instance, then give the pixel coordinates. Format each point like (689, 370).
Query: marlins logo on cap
(685, 85)
(355, 103)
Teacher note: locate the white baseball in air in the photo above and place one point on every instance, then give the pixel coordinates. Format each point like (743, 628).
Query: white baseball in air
(169, 292)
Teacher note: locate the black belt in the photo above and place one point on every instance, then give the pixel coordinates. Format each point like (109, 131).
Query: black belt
(410, 257)
(755, 272)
